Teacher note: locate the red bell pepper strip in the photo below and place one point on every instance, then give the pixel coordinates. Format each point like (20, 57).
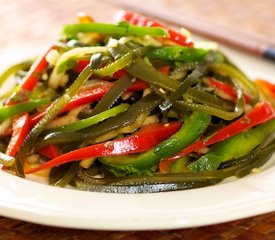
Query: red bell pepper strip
(225, 88)
(143, 140)
(80, 65)
(34, 74)
(137, 86)
(269, 87)
(85, 96)
(164, 70)
(37, 69)
(89, 95)
(120, 73)
(20, 127)
(50, 151)
(261, 113)
(139, 20)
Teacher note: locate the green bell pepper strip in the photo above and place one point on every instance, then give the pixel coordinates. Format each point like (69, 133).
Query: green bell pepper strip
(9, 111)
(233, 147)
(179, 166)
(122, 29)
(190, 131)
(13, 70)
(52, 113)
(178, 53)
(78, 125)
(234, 73)
(252, 158)
(255, 159)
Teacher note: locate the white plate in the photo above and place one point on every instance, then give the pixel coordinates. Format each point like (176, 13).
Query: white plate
(39, 203)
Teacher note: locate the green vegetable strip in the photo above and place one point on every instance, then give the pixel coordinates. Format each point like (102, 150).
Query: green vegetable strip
(190, 131)
(145, 188)
(68, 59)
(234, 73)
(72, 30)
(191, 79)
(13, 70)
(9, 111)
(207, 109)
(144, 105)
(178, 53)
(78, 125)
(113, 94)
(52, 112)
(68, 176)
(209, 99)
(177, 181)
(245, 164)
(213, 110)
(233, 147)
(6, 160)
(116, 65)
(140, 69)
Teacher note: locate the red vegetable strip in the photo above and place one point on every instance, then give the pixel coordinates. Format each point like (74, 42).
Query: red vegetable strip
(137, 86)
(50, 151)
(164, 70)
(269, 87)
(141, 141)
(80, 65)
(225, 88)
(139, 20)
(120, 73)
(37, 69)
(85, 96)
(20, 127)
(89, 95)
(262, 112)
(33, 75)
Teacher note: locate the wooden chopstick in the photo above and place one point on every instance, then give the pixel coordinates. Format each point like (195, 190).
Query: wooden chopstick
(230, 36)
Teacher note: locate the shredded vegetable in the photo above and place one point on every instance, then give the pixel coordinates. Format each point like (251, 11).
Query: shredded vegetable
(136, 107)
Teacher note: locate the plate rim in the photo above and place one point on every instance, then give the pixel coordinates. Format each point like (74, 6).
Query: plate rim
(54, 213)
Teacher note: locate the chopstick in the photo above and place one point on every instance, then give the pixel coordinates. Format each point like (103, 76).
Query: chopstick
(230, 36)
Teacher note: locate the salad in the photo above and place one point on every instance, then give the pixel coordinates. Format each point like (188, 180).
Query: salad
(133, 107)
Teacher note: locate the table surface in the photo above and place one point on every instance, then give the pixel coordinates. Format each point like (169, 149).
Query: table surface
(25, 22)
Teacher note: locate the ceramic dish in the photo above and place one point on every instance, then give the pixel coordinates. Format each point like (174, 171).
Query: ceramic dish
(32, 200)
